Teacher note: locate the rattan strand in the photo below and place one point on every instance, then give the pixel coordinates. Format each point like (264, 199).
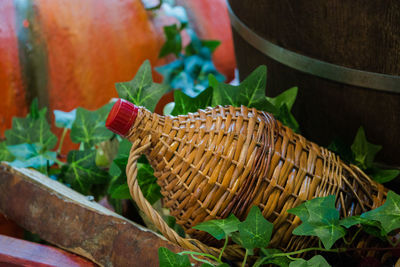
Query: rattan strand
(224, 160)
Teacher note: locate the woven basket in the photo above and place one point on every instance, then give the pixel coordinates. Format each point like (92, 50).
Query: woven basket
(224, 160)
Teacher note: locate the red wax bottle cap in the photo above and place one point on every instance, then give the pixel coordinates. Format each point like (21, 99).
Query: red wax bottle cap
(122, 116)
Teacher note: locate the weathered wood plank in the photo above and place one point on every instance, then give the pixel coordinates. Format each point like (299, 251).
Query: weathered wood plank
(67, 219)
(24, 253)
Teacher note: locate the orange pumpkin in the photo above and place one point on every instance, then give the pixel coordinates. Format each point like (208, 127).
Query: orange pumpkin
(69, 53)
(11, 86)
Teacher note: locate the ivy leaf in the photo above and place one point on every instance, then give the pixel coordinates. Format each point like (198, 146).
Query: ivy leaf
(316, 261)
(5, 154)
(81, 171)
(171, 221)
(118, 166)
(173, 44)
(171, 71)
(34, 112)
(353, 220)
(371, 227)
(287, 98)
(29, 130)
(383, 175)
(64, 119)
(148, 183)
(121, 192)
(342, 149)
(141, 90)
(255, 231)
(212, 45)
(364, 151)
(185, 104)
(388, 214)
(319, 218)
(219, 229)
(31, 155)
(167, 258)
(267, 256)
(287, 118)
(328, 233)
(317, 209)
(89, 126)
(250, 92)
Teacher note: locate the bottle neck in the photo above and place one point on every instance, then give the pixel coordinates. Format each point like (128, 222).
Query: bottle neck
(147, 127)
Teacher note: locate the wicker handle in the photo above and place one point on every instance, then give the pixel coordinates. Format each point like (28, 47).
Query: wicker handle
(155, 218)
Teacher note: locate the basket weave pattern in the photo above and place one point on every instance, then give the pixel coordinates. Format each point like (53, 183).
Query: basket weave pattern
(224, 160)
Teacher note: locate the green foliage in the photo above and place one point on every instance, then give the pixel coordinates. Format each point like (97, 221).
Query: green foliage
(268, 257)
(316, 261)
(35, 112)
(64, 119)
(342, 149)
(5, 154)
(320, 218)
(287, 98)
(147, 183)
(362, 154)
(251, 93)
(29, 141)
(173, 44)
(171, 221)
(371, 227)
(189, 72)
(255, 231)
(118, 188)
(185, 104)
(363, 150)
(141, 90)
(32, 155)
(168, 258)
(388, 214)
(89, 126)
(121, 192)
(31, 130)
(220, 228)
(287, 118)
(81, 172)
(383, 175)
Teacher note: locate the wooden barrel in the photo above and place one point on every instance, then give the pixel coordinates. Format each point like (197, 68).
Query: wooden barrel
(343, 55)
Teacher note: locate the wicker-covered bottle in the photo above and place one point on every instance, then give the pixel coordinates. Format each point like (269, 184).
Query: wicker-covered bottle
(224, 160)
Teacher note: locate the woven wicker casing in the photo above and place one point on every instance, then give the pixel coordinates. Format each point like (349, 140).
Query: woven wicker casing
(224, 160)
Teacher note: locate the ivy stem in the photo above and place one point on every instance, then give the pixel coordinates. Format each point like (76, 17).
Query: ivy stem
(62, 140)
(337, 250)
(355, 235)
(201, 254)
(223, 248)
(198, 259)
(59, 162)
(245, 258)
(309, 249)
